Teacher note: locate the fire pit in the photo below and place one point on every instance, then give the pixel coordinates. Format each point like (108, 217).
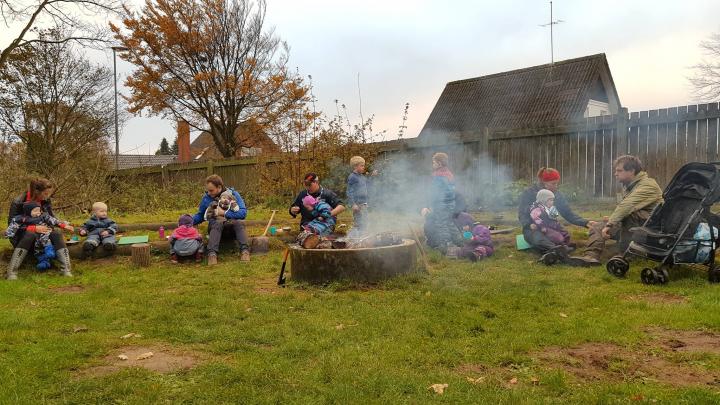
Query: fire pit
(361, 264)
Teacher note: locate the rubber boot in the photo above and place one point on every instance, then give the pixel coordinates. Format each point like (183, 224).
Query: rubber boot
(18, 255)
(63, 256)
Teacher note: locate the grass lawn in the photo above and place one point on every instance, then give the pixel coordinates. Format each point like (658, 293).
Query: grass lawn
(502, 330)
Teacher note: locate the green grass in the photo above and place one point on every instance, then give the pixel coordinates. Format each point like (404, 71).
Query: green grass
(398, 338)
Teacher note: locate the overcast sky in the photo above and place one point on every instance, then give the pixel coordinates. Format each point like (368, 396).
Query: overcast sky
(406, 51)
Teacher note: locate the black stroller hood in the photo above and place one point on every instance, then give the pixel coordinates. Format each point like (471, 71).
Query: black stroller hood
(695, 181)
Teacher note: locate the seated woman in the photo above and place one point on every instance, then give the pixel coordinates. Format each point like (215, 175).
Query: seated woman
(549, 179)
(24, 240)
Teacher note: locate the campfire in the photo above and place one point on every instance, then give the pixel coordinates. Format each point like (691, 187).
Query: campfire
(310, 241)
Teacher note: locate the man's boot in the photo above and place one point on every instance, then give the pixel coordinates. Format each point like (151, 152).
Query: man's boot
(590, 258)
(63, 256)
(18, 255)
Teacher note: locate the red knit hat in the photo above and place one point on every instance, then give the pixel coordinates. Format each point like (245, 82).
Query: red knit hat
(548, 174)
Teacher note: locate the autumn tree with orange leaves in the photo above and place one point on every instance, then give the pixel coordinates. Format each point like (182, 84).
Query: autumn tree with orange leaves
(213, 64)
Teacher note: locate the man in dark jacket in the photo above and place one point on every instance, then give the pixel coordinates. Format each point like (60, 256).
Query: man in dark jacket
(311, 181)
(548, 178)
(214, 186)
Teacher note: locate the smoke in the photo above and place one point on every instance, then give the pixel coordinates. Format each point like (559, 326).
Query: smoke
(401, 187)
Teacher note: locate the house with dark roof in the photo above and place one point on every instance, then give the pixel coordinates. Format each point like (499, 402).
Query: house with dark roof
(548, 95)
(252, 139)
(135, 161)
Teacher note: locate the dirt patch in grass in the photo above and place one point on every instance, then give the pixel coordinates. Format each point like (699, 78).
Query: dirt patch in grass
(657, 298)
(687, 340)
(68, 289)
(609, 362)
(163, 360)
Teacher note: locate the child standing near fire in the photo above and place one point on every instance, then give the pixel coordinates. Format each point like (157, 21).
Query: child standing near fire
(357, 192)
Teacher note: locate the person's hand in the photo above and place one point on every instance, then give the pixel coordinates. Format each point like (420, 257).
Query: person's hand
(374, 173)
(69, 228)
(83, 232)
(104, 233)
(591, 224)
(42, 229)
(606, 232)
(355, 208)
(533, 227)
(294, 209)
(425, 211)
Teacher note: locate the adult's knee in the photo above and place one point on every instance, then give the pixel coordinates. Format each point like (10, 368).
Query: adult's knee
(27, 241)
(57, 240)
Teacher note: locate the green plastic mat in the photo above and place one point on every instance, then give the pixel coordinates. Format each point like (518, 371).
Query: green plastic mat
(129, 240)
(521, 243)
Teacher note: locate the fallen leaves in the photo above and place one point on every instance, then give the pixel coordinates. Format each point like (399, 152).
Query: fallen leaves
(438, 388)
(562, 315)
(513, 381)
(477, 380)
(79, 329)
(122, 357)
(130, 335)
(145, 356)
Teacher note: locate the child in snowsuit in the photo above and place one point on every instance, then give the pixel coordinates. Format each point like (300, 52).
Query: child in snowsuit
(323, 223)
(357, 192)
(225, 202)
(545, 217)
(99, 229)
(439, 228)
(186, 241)
(32, 216)
(479, 245)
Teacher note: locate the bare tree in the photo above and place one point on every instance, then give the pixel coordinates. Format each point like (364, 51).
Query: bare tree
(212, 64)
(59, 106)
(74, 16)
(706, 79)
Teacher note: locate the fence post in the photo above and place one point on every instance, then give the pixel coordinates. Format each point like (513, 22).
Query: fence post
(210, 167)
(621, 129)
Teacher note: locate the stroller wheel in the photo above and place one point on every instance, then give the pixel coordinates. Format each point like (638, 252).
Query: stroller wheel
(714, 275)
(661, 275)
(647, 276)
(617, 266)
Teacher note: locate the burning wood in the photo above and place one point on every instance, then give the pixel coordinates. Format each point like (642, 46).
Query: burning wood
(310, 241)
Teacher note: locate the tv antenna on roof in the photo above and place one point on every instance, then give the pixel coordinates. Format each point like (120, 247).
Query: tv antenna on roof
(550, 24)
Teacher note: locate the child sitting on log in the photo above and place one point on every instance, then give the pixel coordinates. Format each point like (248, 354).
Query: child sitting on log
(31, 217)
(99, 229)
(186, 241)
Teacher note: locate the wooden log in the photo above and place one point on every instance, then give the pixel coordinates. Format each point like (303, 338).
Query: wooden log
(140, 255)
(173, 225)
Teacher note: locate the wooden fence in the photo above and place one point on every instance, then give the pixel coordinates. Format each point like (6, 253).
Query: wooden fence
(583, 151)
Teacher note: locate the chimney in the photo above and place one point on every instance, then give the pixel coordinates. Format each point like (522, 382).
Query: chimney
(183, 141)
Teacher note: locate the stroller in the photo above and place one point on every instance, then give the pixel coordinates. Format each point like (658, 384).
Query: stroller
(681, 230)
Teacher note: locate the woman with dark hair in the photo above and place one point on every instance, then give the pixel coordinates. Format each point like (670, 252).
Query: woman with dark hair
(38, 191)
(548, 179)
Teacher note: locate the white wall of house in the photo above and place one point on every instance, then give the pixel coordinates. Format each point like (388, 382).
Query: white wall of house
(596, 108)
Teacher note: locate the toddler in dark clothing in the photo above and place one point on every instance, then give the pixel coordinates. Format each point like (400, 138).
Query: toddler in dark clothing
(99, 229)
(33, 216)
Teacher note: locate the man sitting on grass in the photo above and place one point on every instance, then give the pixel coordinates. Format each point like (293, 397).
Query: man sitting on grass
(640, 195)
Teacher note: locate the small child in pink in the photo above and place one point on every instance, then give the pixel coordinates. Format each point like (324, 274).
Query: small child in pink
(186, 241)
(545, 217)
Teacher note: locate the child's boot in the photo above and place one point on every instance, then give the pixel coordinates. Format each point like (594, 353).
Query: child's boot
(49, 252)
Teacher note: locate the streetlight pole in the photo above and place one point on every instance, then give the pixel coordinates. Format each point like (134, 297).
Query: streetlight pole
(117, 137)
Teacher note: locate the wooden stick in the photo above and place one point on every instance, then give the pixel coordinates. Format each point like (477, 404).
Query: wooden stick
(422, 250)
(269, 222)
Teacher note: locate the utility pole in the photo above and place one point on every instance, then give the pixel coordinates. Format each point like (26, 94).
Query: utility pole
(550, 24)
(117, 137)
